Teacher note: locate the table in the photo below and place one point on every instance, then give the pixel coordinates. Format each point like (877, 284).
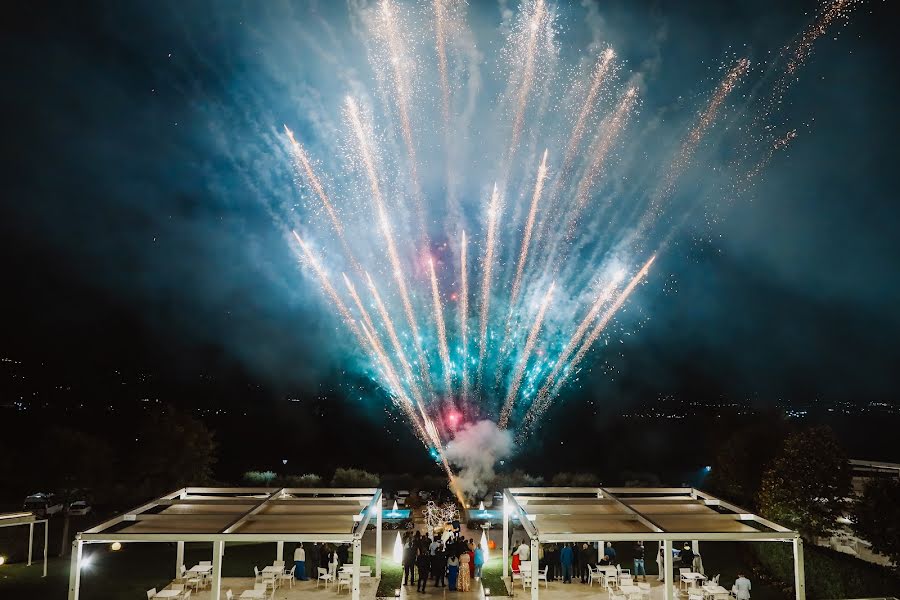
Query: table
(714, 590)
(693, 578)
(273, 569)
(253, 594)
(200, 569)
(168, 594)
(630, 589)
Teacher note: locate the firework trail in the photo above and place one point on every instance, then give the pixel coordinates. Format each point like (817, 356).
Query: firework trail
(397, 57)
(441, 47)
(535, 23)
(526, 236)
(366, 155)
(395, 341)
(704, 122)
(835, 10)
(523, 360)
(464, 313)
(487, 268)
(329, 290)
(305, 166)
(604, 64)
(603, 146)
(441, 329)
(550, 389)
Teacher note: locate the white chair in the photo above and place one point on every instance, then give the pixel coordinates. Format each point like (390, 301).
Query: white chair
(228, 594)
(323, 575)
(343, 580)
(205, 563)
(682, 581)
(150, 593)
(542, 576)
(186, 595)
(278, 563)
(645, 590)
(715, 580)
(288, 576)
(270, 580)
(695, 595)
(620, 570)
(616, 595)
(190, 579)
(611, 578)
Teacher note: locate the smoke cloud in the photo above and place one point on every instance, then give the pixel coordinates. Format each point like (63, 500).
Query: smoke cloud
(475, 451)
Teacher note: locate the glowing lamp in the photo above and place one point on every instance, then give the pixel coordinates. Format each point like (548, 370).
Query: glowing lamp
(2, 560)
(115, 546)
(487, 592)
(397, 593)
(707, 468)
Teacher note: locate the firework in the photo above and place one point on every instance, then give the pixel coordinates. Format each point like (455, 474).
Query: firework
(523, 361)
(464, 313)
(441, 329)
(487, 268)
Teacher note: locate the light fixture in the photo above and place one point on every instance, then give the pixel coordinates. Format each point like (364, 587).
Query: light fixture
(2, 560)
(487, 592)
(397, 593)
(115, 546)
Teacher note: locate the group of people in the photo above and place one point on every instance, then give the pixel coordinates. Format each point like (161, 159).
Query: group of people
(568, 561)
(326, 556)
(452, 561)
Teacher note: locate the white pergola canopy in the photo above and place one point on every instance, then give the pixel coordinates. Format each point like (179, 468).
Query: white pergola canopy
(30, 519)
(220, 515)
(596, 514)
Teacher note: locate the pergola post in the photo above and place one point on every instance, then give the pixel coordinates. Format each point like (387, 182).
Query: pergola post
(505, 537)
(695, 546)
(535, 567)
(669, 591)
(601, 550)
(378, 519)
(279, 551)
(179, 558)
(799, 577)
(30, 541)
(357, 547)
(75, 570)
(46, 544)
(218, 551)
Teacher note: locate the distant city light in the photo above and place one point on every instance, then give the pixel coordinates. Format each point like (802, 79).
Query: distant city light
(707, 468)
(115, 546)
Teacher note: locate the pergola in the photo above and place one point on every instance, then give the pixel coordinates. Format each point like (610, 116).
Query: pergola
(221, 515)
(664, 515)
(30, 519)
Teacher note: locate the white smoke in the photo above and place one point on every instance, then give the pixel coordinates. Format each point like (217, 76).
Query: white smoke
(474, 451)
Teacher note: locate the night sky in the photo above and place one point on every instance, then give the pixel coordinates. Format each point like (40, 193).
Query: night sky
(135, 240)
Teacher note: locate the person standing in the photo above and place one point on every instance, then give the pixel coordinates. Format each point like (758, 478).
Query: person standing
(639, 570)
(423, 563)
(479, 562)
(333, 564)
(610, 552)
(409, 562)
(465, 579)
(687, 557)
(516, 560)
(452, 571)
(524, 551)
(584, 562)
(313, 559)
(566, 556)
(300, 563)
(439, 567)
(661, 562)
(741, 587)
(343, 553)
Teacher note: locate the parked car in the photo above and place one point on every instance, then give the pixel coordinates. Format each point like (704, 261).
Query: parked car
(43, 505)
(79, 508)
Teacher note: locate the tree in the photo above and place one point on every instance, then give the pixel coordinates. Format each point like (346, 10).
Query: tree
(806, 485)
(740, 462)
(173, 450)
(876, 517)
(353, 478)
(575, 480)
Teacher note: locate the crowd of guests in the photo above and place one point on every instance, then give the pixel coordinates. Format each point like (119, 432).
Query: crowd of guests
(451, 561)
(311, 557)
(574, 561)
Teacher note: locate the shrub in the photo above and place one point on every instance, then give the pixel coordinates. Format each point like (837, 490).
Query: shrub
(260, 477)
(829, 574)
(354, 478)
